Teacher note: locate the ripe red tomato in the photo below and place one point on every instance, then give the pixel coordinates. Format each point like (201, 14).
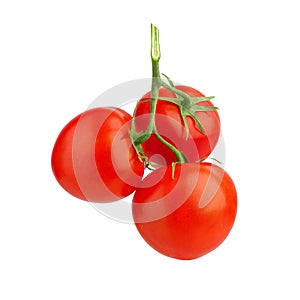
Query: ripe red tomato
(188, 216)
(169, 124)
(93, 158)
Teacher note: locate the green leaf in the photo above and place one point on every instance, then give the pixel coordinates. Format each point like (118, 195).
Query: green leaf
(201, 99)
(169, 80)
(195, 118)
(172, 100)
(183, 116)
(177, 92)
(145, 101)
(204, 108)
(211, 158)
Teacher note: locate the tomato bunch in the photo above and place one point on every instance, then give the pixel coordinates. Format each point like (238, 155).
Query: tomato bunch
(185, 207)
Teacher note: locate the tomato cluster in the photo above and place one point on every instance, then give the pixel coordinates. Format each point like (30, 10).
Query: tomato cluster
(185, 207)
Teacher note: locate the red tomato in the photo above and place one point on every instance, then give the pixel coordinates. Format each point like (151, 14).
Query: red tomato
(93, 158)
(188, 216)
(169, 124)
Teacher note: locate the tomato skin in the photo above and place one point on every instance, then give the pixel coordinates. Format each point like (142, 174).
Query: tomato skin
(169, 124)
(93, 158)
(197, 209)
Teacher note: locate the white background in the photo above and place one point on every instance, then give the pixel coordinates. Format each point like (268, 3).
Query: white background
(56, 57)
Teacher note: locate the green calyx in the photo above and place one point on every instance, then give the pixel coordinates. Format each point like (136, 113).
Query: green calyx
(188, 107)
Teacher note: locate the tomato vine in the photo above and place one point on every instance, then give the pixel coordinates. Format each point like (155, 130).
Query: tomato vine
(187, 105)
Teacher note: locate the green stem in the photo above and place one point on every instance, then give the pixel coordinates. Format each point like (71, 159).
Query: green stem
(156, 84)
(179, 157)
(155, 57)
(155, 48)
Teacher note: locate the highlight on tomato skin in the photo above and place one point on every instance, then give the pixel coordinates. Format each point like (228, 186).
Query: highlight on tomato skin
(170, 125)
(188, 216)
(93, 158)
